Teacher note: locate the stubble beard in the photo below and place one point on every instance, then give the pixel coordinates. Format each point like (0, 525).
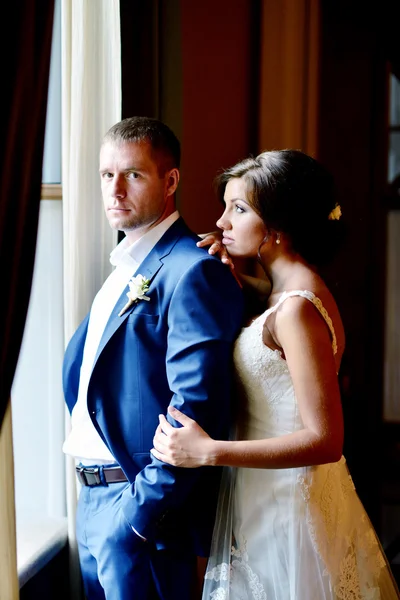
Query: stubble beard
(131, 223)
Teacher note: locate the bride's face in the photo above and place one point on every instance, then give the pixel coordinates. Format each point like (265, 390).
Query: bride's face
(243, 230)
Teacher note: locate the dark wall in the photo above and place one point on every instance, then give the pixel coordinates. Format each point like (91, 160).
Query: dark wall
(194, 66)
(219, 98)
(353, 144)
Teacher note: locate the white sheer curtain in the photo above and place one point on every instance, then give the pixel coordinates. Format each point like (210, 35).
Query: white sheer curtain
(91, 103)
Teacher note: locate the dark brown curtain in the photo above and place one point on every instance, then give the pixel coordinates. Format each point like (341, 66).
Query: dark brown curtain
(26, 47)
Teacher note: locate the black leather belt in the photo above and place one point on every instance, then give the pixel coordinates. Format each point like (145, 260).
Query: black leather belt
(92, 476)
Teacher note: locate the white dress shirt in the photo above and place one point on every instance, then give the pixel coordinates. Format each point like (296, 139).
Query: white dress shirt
(83, 441)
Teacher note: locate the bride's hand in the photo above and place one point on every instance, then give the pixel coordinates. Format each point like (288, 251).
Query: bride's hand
(214, 240)
(188, 446)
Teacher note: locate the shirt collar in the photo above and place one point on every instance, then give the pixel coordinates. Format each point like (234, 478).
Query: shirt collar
(135, 253)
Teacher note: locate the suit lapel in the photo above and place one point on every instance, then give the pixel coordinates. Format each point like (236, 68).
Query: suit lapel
(149, 269)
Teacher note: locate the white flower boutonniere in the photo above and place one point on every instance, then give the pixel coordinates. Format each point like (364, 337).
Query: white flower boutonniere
(138, 286)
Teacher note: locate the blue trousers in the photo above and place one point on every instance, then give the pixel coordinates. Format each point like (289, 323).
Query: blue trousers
(116, 564)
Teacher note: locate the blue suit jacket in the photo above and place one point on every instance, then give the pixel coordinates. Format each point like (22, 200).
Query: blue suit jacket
(175, 349)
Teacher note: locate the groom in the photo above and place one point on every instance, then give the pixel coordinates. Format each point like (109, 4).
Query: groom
(159, 332)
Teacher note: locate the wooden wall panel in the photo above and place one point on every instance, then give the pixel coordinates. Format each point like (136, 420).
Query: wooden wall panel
(289, 75)
(218, 114)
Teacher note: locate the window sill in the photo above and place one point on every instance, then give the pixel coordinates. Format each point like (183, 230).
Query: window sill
(38, 541)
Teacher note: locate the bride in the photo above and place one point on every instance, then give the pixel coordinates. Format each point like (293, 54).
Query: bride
(289, 525)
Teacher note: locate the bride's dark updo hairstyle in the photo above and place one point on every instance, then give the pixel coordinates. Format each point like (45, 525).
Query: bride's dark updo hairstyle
(293, 194)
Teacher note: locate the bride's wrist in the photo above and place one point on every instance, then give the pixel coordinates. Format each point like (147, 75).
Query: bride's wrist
(214, 453)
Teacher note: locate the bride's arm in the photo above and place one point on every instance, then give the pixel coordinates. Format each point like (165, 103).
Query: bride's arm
(213, 239)
(306, 341)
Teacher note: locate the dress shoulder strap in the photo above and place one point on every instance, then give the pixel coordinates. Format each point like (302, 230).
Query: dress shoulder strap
(318, 305)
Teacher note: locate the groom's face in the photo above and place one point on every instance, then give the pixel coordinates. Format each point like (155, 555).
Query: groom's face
(137, 191)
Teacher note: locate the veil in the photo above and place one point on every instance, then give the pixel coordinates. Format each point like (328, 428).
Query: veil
(218, 573)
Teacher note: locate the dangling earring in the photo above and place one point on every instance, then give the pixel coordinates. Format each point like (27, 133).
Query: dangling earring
(278, 238)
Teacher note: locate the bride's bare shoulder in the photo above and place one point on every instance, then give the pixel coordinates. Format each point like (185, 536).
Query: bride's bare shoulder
(319, 289)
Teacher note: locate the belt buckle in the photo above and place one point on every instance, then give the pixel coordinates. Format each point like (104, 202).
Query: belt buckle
(89, 476)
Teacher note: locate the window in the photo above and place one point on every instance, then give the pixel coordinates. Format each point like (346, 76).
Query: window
(391, 407)
(394, 129)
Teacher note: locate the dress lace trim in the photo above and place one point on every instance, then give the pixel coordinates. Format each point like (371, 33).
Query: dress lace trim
(238, 573)
(318, 305)
(355, 564)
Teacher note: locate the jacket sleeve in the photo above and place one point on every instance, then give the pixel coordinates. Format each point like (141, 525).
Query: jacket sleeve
(205, 314)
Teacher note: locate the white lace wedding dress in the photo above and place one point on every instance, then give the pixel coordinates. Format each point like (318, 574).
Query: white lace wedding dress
(289, 534)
